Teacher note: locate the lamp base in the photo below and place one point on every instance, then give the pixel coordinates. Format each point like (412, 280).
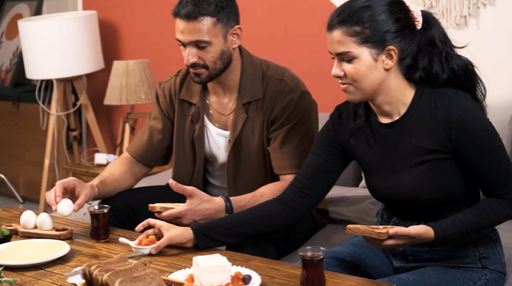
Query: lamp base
(62, 96)
(126, 128)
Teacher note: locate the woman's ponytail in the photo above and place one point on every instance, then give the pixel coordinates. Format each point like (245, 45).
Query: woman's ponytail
(437, 64)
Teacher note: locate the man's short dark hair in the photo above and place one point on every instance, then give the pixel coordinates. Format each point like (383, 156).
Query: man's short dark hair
(225, 12)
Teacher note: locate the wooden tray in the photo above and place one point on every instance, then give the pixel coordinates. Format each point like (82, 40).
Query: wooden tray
(56, 233)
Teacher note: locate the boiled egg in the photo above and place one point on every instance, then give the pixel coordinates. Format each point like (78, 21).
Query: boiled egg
(65, 207)
(44, 222)
(28, 220)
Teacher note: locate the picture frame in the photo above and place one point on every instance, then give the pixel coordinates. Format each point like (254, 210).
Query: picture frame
(11, 61)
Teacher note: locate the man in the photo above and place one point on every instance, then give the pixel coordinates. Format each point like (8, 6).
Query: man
(237, 127)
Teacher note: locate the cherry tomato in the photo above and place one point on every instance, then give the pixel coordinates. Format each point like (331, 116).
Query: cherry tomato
(139, 241)
(190, 279)
(238, 275)
(152, 240)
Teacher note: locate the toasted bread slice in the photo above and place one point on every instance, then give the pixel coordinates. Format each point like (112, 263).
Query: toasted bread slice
(111, 278)
(374, 231)
(162, 207)
(147, 278)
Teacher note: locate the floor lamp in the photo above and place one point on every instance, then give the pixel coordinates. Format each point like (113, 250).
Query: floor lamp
(63, 47)
(131, 82)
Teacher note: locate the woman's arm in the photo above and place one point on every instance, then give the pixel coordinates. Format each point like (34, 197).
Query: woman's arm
(478, 146)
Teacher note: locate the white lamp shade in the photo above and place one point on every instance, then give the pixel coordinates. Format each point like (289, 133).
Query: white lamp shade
(61, 45)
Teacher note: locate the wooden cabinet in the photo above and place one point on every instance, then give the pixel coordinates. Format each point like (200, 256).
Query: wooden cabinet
(22, 145)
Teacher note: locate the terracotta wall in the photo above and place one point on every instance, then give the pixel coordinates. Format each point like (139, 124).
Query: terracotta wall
(287, 32)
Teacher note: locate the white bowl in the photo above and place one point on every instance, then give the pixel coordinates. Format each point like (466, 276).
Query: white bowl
(135, 248)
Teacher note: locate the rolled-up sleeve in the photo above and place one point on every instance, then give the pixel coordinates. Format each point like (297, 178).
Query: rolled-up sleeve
(152, 146)
(293, 129)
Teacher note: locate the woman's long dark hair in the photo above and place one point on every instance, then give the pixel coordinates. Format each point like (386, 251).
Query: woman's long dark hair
(425, 56)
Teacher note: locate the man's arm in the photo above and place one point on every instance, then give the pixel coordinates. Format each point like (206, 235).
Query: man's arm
(122, 174)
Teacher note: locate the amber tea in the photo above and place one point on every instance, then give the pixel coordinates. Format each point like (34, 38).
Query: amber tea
(312, 258)
(100, 230)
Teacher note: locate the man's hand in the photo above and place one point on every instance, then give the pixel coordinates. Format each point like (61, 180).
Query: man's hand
(200, 207)
(74, 189)
(167, 234)
(399, 237)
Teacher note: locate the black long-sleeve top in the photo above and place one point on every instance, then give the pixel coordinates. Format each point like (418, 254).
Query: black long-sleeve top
(432, 165)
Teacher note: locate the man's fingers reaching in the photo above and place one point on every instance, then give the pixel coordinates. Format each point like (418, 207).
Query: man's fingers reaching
(50, 199)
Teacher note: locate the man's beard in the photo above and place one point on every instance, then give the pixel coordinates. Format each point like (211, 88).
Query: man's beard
(220, 65)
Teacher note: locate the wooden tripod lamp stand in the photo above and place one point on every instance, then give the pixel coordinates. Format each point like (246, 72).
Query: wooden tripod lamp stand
(62, 47)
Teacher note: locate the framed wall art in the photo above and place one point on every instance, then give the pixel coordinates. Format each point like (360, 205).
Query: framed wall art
(10, 50)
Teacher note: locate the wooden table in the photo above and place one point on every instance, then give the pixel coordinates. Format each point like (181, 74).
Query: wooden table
(83, 250)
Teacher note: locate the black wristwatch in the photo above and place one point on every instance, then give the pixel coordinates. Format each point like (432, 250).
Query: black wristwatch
(229, 205)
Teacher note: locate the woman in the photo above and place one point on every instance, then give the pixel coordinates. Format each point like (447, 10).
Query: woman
(415, 122)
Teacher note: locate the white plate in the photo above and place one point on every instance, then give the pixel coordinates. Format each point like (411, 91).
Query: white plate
(33, 243)
(256, 279)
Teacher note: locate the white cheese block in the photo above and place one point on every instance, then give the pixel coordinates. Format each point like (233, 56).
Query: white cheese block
(211, 270)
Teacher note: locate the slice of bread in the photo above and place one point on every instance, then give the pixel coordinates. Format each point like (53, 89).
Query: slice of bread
(147, 278)
(111, 278)
(98, 272)
(120, 271)
(162, 207)
(374, 231)
(86, 269)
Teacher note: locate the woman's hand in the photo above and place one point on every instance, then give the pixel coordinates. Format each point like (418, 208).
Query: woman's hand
(399, 237)
(167, 234)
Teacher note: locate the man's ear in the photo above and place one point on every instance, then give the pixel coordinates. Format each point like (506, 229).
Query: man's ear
(234, 37)
(389, 57)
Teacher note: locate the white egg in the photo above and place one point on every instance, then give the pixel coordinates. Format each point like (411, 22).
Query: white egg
(28, 220)
(44, 222)
(65, 207)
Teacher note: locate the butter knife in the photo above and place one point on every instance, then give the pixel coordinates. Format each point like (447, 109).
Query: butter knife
(136, 254)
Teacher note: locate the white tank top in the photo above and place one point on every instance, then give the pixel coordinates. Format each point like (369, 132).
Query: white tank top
(216, 143)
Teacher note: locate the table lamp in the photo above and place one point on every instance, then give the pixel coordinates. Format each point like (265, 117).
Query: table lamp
(131, 82)
(62, 47)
